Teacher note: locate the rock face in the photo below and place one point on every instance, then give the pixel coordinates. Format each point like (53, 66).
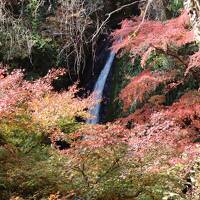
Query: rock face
(193, 7)
(156, 9)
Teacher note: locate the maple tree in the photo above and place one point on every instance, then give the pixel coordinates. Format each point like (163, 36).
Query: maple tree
(107, 157)
(30, 112)
(193, 66)
(145, 38)
(145, 155)
(16, 91)
(44, 104)
(54, 107)
(142, 85)
(187, 110)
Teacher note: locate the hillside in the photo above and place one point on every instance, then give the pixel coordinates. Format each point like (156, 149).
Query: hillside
(146, 147)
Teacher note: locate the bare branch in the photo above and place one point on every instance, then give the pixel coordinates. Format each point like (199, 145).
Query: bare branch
(109, 16)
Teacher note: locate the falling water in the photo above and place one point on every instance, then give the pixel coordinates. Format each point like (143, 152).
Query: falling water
(98, 89)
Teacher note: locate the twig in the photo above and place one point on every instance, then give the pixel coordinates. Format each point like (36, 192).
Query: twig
(110, 14)
(168, 52)
(112, 167)
(143, 18)
(82, 171)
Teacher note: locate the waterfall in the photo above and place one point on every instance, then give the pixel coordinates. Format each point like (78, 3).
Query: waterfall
(98, 89)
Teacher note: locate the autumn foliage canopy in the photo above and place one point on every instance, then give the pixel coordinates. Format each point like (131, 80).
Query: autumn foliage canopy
(156, 136)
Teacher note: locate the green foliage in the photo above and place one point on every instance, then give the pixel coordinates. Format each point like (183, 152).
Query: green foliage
(160, 62)
(29, 166)
(188, 49)
(68, 126)
(108, 174)
(33, 11)
(31, 169)
(21, 134)
(174, 7)
(27, 29)
(37, 173)
(124, 70)
(23, 43)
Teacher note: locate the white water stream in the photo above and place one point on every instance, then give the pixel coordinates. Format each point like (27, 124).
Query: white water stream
(98, 89)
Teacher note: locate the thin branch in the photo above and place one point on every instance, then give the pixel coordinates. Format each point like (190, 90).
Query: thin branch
(143, 18)
(82, 171)
(172, 54)
(109, 16)
(111, 168)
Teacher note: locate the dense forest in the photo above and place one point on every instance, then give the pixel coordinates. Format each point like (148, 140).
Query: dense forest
(144, 56)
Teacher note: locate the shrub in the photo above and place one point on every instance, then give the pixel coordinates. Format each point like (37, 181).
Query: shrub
(29, 113)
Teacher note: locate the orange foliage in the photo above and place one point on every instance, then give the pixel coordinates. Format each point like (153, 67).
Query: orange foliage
(156, 143)
(45, 106)
(57, 106)
(99, 136)
(142, 85)
(194, 64)
(162, 142)
(140, 116)
(140, 38)
(15, 91)
(187, 110)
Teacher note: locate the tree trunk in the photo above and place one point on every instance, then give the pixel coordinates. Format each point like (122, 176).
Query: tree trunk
(193, 7)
